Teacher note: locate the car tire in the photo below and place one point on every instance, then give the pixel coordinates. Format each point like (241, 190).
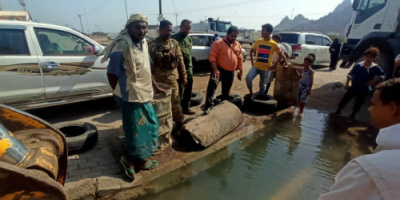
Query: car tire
(313, 56)
(196, 99)
(266, 105)
(80, 136)
(234, 98)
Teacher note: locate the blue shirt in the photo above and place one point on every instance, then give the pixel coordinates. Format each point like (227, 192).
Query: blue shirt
(360, 76)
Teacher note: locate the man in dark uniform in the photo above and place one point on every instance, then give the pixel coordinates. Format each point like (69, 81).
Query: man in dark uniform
(169, 68)
(185, 43)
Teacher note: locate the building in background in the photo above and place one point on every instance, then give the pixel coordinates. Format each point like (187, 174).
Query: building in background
(15, 15)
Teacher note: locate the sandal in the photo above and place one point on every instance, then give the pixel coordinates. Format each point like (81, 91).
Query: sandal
(128, 171)
(152, 164)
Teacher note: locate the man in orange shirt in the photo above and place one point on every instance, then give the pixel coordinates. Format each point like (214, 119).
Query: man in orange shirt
(225, 58)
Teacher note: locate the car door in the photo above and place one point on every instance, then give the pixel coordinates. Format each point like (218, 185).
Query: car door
(311, 47)
(327, 43)
(322, 50)
(201, 47)
(21, 81)
(69, 64)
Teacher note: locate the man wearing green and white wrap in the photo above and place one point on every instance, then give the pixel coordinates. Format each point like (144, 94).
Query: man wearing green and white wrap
(129, 75)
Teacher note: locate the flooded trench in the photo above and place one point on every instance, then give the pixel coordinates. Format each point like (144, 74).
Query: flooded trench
(290, 158)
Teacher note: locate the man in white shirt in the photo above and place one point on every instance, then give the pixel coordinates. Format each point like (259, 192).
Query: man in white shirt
(375, 176)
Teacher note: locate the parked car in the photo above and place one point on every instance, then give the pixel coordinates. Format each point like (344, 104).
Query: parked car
(317, 45)
(43, 65)
(201, 47)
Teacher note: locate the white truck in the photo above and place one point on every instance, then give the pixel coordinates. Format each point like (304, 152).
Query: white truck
(209, 26)
(374, 23)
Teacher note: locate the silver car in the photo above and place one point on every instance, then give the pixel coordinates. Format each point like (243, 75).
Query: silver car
(43, 65)
(201, 47)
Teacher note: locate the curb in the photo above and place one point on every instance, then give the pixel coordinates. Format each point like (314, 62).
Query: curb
(119, 188)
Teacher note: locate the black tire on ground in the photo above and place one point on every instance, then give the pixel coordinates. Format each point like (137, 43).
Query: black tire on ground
(80, 136)
(236, 99)
(266, 105)
(196, 99)
(233, 98)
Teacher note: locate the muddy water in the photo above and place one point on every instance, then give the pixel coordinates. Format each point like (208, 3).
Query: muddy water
(291, 158)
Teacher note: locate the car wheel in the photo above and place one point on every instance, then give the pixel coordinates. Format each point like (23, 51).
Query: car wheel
(235, 99)
(80, 136)
(265, 105)
(313, 56)
(196, 99)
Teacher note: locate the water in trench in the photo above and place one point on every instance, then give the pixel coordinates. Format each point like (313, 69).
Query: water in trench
(290, 158)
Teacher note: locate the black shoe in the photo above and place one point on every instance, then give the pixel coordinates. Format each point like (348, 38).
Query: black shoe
(207, 111)
(337, 112)
(217, 101)
(188, 112)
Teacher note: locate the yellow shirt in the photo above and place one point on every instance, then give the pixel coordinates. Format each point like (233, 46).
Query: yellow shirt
(264, 50)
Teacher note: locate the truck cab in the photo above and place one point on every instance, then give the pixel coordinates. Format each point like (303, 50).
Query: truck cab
(218, 27)
(374, 23)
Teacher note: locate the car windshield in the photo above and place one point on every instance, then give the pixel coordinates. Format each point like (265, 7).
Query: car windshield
(289, 38)
(223, 26)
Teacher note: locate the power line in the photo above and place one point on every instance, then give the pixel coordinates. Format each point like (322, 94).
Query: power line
(219, 7)
(99, 6)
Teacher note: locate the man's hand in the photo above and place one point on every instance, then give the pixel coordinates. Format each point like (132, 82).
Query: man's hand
(184, 82)
(160, 90)
(309, 92)
(216, 74)
(346, 87)
(239, 75)
(272, 68)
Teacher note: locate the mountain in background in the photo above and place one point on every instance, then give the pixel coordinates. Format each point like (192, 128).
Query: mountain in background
(333, 23)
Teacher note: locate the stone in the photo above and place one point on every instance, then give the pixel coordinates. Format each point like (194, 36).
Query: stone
(84, 189)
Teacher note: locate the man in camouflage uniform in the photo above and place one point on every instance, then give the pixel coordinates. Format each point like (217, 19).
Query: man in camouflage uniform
(185, 43)
(168, 67)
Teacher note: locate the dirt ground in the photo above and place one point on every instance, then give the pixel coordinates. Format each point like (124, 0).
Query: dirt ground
(327, 91)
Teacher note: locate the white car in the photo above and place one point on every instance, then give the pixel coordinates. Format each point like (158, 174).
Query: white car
(201, 46)
(43, 65)
(317, 45)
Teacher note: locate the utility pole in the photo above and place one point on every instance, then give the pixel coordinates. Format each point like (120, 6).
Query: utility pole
(126, 11)
(0, 6)
(160, 16)
(176, 19)
(22, 3)
(81, 22)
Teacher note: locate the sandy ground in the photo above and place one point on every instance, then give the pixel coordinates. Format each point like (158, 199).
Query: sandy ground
(327, 91)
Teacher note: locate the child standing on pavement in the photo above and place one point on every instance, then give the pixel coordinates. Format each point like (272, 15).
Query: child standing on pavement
(306, 82)
(363, 76)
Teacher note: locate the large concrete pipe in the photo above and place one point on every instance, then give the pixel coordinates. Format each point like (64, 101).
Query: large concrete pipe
(210, 128)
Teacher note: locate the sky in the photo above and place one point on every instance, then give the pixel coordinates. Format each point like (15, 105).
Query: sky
(110, 15)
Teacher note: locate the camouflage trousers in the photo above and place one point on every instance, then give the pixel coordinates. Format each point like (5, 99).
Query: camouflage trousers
(169, 78)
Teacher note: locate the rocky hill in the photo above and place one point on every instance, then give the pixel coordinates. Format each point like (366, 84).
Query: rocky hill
(333, 23)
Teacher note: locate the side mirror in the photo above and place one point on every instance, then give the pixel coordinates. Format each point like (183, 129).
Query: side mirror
(98, 50)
